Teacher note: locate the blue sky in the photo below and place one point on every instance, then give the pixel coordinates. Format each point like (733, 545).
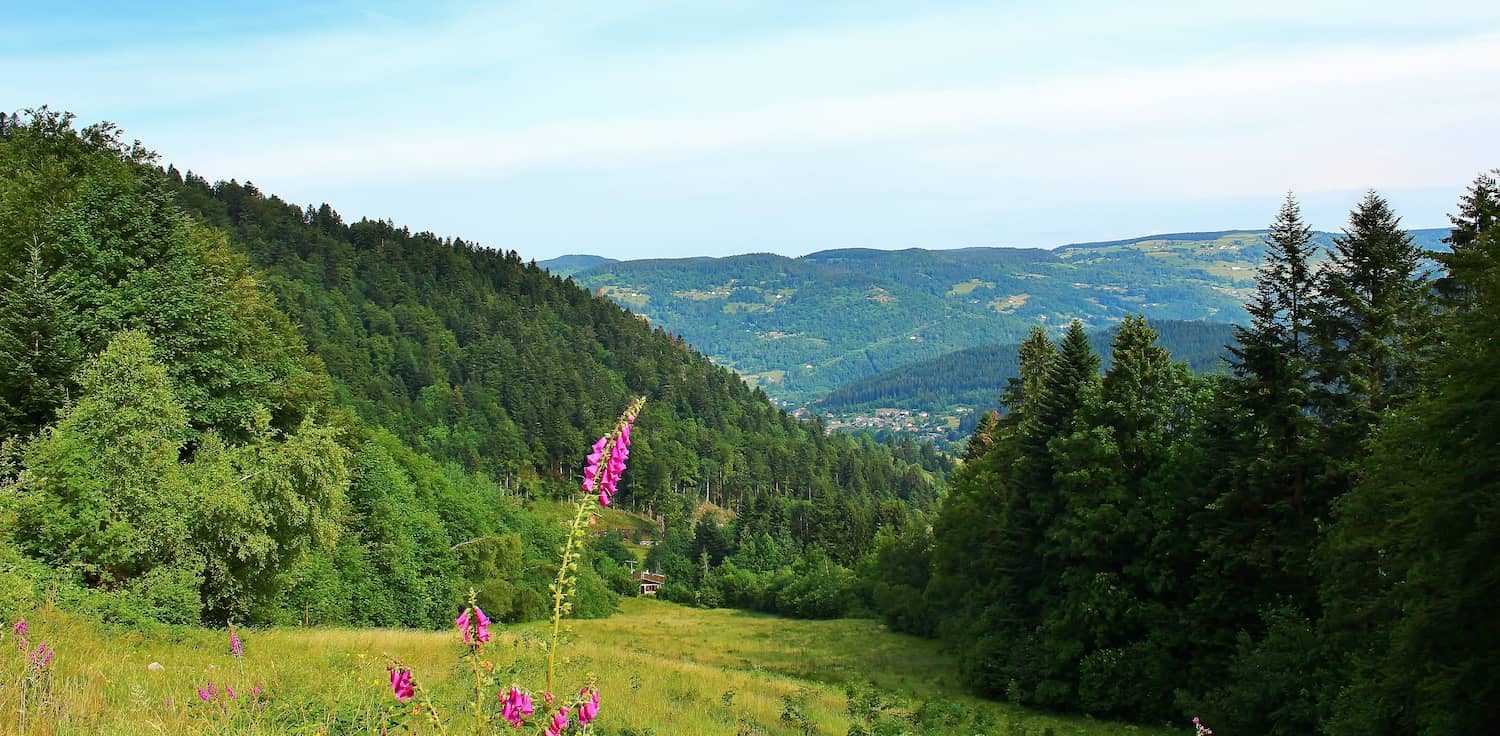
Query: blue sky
(666, 128)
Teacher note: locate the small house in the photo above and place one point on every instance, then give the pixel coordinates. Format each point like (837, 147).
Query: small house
(650, 581)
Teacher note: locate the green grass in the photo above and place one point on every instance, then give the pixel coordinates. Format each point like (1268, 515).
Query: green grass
(967, 287)
(662, 667)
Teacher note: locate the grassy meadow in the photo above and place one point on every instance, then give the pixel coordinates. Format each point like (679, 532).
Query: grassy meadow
(662, 669)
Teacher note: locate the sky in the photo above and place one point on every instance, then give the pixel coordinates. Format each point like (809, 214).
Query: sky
(669, 128)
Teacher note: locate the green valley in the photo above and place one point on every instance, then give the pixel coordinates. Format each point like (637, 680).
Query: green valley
(800, 328)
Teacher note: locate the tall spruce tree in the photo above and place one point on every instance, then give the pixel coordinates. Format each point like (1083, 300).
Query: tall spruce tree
(37, 348)
(1372, 316)
(1270, 360)
(1478, 211)
(1022, 394)
(1257, 536)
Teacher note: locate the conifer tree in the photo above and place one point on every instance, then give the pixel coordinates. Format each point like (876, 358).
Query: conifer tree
(1270, 359)
(1142, 397)
(1478, 211)
(1074, 367)
(1257, 535)
(37, 348)
(1022, 394)
(1371, 317)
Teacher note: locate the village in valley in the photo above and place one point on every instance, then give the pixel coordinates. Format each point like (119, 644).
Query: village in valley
(936, 427)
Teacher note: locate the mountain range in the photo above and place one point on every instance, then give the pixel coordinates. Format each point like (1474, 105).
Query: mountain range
(802, 327)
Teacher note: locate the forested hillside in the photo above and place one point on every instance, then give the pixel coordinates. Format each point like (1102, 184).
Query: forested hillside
(218, 405)
(1305, 544)
(972, 378)
(802, 327)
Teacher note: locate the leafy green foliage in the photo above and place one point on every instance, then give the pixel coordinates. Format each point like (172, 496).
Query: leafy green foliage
(398, 445)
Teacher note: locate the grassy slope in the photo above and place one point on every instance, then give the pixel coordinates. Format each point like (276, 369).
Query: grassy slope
(661, 667)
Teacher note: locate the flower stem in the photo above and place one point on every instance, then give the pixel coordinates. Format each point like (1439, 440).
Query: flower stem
(559, 588)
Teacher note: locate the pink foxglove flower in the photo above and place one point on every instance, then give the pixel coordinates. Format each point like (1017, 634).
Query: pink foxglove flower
(559, 722)
(236, 646)
(208, 693)
(517, 707)
(401, 684)
(591, 469)
(462, 622)
(590, 708)
(21, 628)
(483, 626)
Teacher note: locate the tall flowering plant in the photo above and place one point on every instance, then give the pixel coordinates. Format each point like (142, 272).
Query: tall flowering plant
(546, 712)
(32, 681)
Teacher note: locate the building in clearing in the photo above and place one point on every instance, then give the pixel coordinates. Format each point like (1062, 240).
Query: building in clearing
(650, 581)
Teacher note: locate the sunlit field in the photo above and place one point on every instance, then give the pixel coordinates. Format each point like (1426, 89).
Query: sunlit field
(662, 669)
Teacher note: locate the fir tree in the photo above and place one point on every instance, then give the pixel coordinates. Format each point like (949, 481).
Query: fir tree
(36, 346)
(1478, 211)
(1258, 535)
(1371, 317)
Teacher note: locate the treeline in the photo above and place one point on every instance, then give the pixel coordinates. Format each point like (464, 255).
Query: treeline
(176, 448)
(1308, 544)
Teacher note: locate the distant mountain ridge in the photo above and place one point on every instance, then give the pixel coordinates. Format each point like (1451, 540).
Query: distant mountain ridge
(802, 327)
(973, 377)
(570, 264)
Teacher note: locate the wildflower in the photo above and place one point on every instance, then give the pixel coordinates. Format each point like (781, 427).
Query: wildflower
(255, 691)
(517, 707)
(559, 722)
(401, 683)
(208, 693)
(236, 647)
(462, 622)
(230, 692)
(1202, 730)
(41, 657)
(483, 624)
(591, 470)
(590, 708)
(20, 628)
